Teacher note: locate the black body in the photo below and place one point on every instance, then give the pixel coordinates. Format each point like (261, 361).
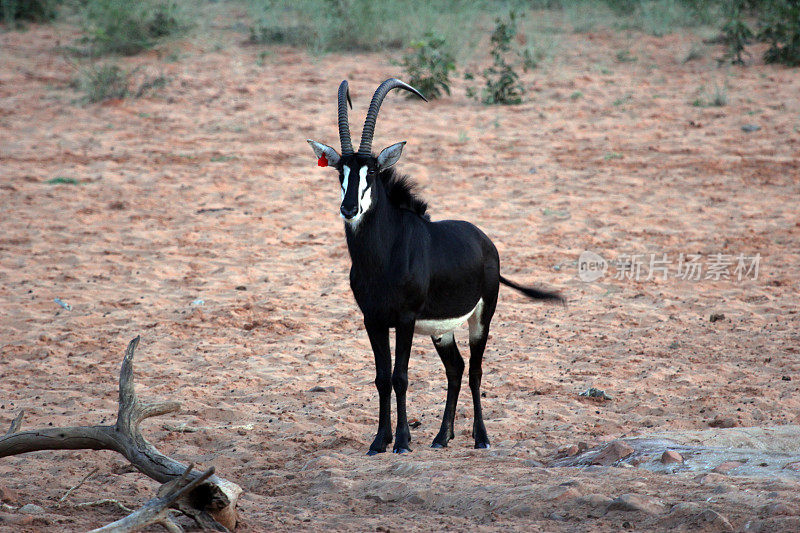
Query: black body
(409, 273)
(406, 268)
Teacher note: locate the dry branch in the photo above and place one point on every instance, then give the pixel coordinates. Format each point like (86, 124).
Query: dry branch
(156, 511)
(212, 503)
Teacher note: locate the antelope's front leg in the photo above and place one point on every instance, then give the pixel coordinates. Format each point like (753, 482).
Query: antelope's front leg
(405, 334)
(379, 339)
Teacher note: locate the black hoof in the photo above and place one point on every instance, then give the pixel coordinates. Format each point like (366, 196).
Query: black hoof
(481, 445)
(438, 445)
(402, 450)
(374, 452)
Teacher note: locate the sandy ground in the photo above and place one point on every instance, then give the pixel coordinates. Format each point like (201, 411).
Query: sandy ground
(208, 191)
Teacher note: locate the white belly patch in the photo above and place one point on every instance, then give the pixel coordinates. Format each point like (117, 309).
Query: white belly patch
(440, 326)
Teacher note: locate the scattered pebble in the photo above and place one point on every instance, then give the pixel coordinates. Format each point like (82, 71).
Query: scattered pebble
(199, 301)
(63, 304)
(322, 389)
(749, 128)
(716, 316)
(241, 288)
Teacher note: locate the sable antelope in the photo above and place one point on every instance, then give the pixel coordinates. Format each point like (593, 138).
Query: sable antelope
(412, 274)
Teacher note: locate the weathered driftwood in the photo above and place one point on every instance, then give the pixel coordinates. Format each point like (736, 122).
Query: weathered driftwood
(212, 503)
(156, 511)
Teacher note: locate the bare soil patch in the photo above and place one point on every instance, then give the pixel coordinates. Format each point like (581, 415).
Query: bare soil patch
(208, 192)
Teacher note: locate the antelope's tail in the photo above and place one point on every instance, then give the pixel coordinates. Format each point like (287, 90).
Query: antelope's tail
(535, 294)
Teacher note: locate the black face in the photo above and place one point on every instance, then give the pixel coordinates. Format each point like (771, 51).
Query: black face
(356, 177)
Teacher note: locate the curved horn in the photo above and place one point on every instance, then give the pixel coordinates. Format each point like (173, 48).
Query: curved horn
(372, 115)
(344, 125)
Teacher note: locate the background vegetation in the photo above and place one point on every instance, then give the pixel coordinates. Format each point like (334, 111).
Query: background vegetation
(438, 38)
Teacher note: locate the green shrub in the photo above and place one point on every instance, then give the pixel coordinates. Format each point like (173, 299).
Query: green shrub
(15, 11)
(101, 82)
(780, 27)
(126, 27)
(363, 25)
(104, 82)
(428, 66)
(736, 32)
(502, 81)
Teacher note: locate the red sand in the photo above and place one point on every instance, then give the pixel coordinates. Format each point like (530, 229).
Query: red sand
(134, 244)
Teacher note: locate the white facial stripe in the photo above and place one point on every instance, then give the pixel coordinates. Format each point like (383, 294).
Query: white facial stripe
(363, 203)
(346, 172)
(364, 197)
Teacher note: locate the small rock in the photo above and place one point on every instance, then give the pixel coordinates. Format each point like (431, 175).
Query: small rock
(716, 316)
(727, 466)
(750, 128)
(559, 493)
(8, 495)
(709, 478)
(241, 288)
(636, 502)
(533, 463)
(414, 423)
(611, 453)
(568, 451)
(31, 508)
(786, 378)
(723, 488)
(723, 422)
(795, 465)
(671, 456)
(322, 389)
(591, 392)
(777, 509)
(597, 504)
(685, 509)
(521, 510)
(717, 520)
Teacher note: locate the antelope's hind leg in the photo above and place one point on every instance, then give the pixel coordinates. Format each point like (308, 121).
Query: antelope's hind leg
(478, 335)
(454, 368)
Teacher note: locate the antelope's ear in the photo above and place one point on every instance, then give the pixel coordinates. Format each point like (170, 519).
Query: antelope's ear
(326, 156)
(390, 155)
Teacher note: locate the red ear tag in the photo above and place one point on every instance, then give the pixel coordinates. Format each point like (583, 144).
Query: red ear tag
(322, 161)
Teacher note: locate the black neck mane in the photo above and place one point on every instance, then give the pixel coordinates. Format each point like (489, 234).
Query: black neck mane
(402, 192)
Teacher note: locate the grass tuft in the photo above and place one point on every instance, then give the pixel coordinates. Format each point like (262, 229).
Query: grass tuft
(61, 180)
(127, 28)
(107, 81)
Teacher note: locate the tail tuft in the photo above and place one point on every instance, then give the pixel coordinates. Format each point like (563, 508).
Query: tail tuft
(535, 294)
